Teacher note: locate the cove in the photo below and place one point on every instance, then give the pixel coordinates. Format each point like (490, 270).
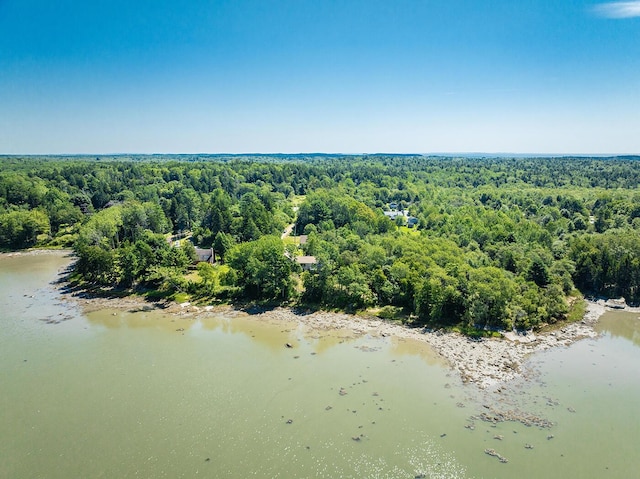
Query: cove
(115, 393)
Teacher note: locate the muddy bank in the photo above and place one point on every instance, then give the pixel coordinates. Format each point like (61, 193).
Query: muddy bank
(484, 362)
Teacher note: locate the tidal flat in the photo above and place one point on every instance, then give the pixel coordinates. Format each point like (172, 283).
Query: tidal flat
(131, 391)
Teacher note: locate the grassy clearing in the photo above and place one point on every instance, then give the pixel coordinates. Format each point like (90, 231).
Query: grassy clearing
(181, 297)
(577, 309)
(389, 313)
(409, 231)
(292, 240)
(193, 277)
(296, 200)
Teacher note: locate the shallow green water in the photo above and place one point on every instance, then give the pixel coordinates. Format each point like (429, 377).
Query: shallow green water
(116, 394)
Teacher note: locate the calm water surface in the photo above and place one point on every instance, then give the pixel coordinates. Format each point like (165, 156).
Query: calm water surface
(115, 394)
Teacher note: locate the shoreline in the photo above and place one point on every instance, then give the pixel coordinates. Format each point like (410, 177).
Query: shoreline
(36, 252)
(487, 363)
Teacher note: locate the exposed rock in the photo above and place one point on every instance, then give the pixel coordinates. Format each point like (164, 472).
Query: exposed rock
(486, 362)
(619, 303)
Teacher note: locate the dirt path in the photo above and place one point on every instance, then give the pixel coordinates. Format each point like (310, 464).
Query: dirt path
(287, 231)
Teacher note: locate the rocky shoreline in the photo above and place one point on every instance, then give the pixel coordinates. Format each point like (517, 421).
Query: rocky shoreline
(484, 362)
(37, 252)
(487, 362)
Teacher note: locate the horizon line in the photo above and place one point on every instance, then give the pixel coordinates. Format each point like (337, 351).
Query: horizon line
(310, 153)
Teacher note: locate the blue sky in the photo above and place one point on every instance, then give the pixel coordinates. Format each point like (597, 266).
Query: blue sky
(351, 76)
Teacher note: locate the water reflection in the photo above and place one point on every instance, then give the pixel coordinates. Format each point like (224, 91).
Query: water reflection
(269, 332)
(323, 341)
(621, 324)
(154, 319)
(412, 347)
(264, 332)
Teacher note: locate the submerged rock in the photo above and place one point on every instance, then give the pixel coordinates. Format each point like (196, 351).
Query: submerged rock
(493, 453)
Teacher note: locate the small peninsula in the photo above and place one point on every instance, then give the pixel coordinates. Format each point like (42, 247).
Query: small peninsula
(481, 246)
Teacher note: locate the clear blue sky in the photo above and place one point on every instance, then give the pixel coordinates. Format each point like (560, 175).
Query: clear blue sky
(352, 76)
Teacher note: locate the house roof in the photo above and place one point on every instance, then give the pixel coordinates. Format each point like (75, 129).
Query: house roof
(204, 254)
(306, 259)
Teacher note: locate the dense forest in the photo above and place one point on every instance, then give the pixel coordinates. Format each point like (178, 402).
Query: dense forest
(491, 243)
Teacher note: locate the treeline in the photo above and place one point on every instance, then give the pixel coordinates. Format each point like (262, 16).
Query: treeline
(510, 278)
(499, 242)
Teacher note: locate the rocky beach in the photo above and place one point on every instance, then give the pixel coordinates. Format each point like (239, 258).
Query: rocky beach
(485, 362)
